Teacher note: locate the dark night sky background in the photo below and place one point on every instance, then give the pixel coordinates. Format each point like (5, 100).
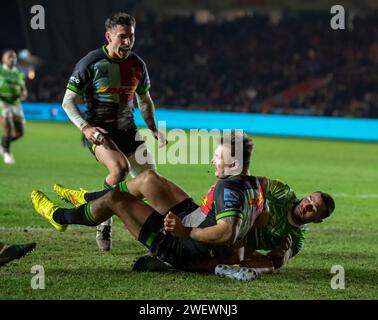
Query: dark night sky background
(11, 34)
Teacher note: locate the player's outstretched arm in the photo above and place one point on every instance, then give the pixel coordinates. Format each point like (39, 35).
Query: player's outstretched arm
(223, 233)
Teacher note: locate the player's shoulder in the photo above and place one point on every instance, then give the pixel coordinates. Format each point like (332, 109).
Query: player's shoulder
(91, 57)
(238, 182)
(136, 57)
(279, 190)
(277, 185)
(17, 71)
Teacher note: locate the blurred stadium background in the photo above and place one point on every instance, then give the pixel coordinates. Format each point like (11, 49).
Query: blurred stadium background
(249, 57)
(258, 56)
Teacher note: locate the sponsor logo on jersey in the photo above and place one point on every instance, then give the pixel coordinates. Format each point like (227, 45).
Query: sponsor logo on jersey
(207, 201)
(117, 90)
(75, 80)
(256, 201)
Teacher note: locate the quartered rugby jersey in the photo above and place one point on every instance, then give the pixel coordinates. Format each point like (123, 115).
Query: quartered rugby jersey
(237, 196)
(280, 200)
(11, 83)
(108, 85)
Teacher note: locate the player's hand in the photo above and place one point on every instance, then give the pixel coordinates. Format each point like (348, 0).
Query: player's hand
(96, 135)
(173, 224)
(159, 136)
(281, 254)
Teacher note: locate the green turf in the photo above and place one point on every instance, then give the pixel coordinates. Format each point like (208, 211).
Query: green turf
(75, 269)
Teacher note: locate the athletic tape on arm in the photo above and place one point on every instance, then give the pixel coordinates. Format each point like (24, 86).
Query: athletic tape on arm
(70, 106)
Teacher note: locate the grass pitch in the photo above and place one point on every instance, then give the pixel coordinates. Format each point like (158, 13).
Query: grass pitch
(75, 269)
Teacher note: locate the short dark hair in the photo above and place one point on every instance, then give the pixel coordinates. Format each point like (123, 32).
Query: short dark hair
(119, 18)
(329, 203)
(6, 51)
(237, 136)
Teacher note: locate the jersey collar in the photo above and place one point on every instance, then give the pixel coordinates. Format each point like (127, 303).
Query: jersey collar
(7, 68)
(105, 51)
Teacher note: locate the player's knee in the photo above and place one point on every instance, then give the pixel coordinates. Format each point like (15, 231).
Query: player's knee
(119, 169)
(137, 169)
(150, 175)
(115, 177)
(115, 196)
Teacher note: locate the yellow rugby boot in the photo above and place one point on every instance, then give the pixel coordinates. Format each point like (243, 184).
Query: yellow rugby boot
(45, 207)
(76, 197)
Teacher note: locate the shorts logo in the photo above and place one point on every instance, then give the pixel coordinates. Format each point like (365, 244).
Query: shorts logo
(117, 90)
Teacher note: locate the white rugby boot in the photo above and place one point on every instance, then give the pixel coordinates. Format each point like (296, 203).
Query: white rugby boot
(8, 158)
(104, 235)
(235, 272)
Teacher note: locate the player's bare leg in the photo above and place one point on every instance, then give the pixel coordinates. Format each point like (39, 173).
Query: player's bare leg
(7, 139)
(118, 166)
(19, 128)
(114, 160)
(161, 193)
(132, 211)
(138, 167)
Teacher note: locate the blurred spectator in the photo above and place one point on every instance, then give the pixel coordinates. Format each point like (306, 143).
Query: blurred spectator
(238, 65)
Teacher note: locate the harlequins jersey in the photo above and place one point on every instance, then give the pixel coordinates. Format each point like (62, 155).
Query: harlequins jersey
(238, 196)
(108, 85)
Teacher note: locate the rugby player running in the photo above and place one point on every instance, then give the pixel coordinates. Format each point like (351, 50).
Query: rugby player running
(106, 79)
(12, 91)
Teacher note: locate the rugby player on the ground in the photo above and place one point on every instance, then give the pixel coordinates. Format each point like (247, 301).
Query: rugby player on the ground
(12, 91)
(107, 79)
(280, 229)
(173, 227)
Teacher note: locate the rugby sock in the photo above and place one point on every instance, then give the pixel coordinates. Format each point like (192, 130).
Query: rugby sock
(107, 185)
(122, 186)
(90, 196)
(80, 215)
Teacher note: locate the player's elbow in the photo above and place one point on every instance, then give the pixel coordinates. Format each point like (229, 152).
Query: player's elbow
(68, 102)
(232, 238)
(229, 236)
(71, 99)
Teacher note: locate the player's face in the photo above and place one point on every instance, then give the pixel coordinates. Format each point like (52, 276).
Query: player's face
(310, 209)
(10, 59)
(221, 161)
(120, 41)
